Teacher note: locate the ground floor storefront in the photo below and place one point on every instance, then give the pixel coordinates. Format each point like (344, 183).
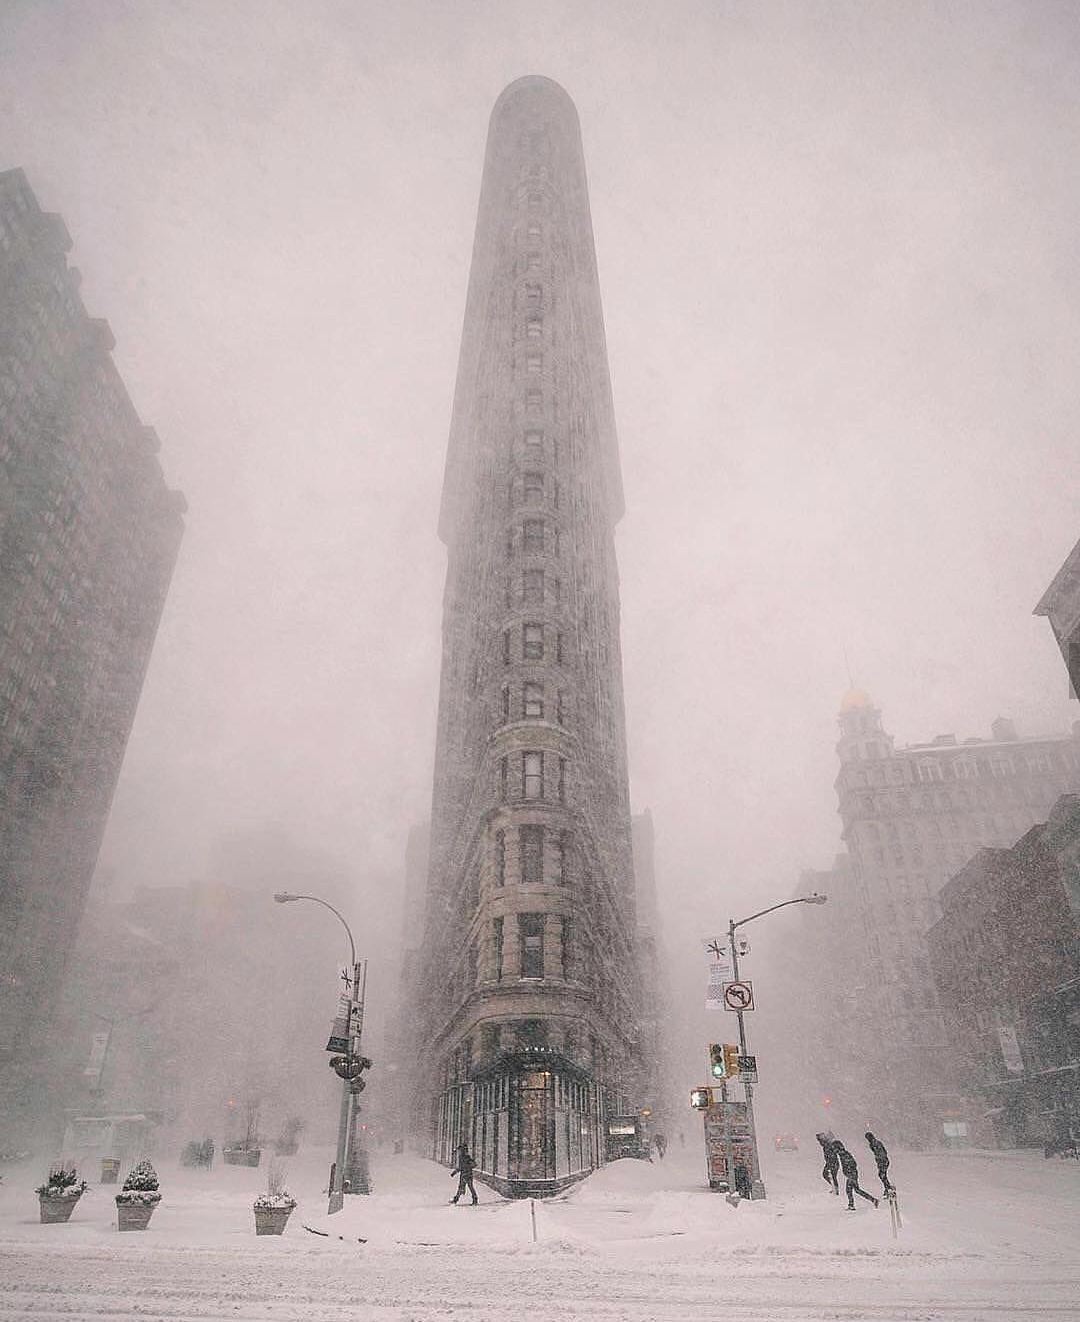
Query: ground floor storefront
(533, 1121)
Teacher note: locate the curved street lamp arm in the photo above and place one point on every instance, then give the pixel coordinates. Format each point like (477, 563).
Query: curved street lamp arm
(348, 931)
(802, 899)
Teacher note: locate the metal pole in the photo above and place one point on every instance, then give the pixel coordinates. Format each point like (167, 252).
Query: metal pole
(757, 1185)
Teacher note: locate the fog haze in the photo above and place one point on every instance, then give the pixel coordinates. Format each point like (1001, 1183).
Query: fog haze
(837, 252)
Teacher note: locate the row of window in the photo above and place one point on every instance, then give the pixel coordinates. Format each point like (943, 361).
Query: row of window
(532, 705)
(527, 775)
(536, 639)
(535, 845)
(533, 489)
(535, 539)
(531, 945)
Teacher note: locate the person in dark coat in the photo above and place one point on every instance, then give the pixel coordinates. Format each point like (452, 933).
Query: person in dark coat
(881, 1157)
(832, 1161)
(463, 1169)
(660, 1143)
(851, 1174)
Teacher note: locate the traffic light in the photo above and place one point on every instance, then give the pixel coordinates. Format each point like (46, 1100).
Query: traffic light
(701, 1098)
(731, 1060)
(717, 1065)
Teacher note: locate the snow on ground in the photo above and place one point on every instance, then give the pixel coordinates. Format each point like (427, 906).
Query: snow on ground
(986, 1235)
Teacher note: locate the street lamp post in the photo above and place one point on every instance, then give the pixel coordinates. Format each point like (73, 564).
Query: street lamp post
(757, 1185)
(337, 1183)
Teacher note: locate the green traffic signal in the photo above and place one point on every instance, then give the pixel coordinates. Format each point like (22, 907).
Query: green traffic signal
(717, 1067)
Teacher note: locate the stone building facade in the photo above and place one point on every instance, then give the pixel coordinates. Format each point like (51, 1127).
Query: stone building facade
(912, 818)
(89, 535)
(1060, 603)
(1005, 955)
(530, 995)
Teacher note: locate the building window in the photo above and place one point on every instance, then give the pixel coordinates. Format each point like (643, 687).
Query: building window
(510, 531)
(567, 945)
(534, 587)
(533, 700)
(533, 363)
(534, 327)
(532, 855)
(560, 707)
(532, 262)
(531, 930)
(489, 1040)
(533, 489)
(534, 446)
(533, 232)
(533, 536)
(534, 402)
(557, 542)
(965, 769)
(534, 295)
(504, 779)
(497, 941)
(562, 779)
(562, 858)
(532, 642)
(559, 647)
(1038, 762)
(555, 493)
(1001, 766)
(500, 858)
(506, 702)
(473, 965)
(532, 775)
(929, 771)
(506, 647)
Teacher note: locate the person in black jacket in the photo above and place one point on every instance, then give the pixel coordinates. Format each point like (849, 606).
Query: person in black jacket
(463, 1169)
(832, 1161)
(851, 1175)
(881, 1157)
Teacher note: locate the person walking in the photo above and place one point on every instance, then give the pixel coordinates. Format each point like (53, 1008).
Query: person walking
(660, 1143)
(881, 1157)
(832, 1161)
(851, 1174)
(463, 1169)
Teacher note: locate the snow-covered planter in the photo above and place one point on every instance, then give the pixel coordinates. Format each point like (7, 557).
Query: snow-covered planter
(273, 1208)
(59, 1194)
(140, 1195)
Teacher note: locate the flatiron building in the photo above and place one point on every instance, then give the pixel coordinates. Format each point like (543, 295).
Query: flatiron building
(527, 1039)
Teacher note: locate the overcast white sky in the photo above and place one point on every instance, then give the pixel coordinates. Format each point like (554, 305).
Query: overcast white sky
(837, 247)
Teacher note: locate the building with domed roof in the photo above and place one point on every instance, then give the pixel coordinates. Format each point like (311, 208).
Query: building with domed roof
(912, 818)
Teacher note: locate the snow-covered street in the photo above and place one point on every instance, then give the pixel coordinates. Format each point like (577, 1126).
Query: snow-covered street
(986, 1235)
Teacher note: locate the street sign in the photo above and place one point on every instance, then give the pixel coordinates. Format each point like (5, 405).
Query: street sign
(748, 1069)
(738, 995)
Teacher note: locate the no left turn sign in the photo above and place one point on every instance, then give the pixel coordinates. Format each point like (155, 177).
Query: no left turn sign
(738, 996)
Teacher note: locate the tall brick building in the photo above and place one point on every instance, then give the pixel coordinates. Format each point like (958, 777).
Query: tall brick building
(89, 534)
(529, 1010)
(912, 818)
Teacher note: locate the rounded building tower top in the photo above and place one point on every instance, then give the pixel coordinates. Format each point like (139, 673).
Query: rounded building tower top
(862, 736)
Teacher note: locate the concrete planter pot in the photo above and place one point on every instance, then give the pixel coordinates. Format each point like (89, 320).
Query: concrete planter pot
(54, 1210)
(271, 1220)
(241, 1156)
(133, 1216)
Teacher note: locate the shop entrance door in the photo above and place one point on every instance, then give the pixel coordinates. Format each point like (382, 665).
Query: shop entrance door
(536, 1153)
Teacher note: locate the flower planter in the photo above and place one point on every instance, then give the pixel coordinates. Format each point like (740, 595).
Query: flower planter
(55, 1210)
(241, 1156)
(271, 1220)
(110, 1169)
(134, 1216)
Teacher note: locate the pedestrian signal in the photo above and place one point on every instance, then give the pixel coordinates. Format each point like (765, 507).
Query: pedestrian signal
(731, 1060)
(700, 1098)
(717, 1066)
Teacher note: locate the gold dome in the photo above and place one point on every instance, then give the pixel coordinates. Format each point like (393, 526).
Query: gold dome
(855, 698)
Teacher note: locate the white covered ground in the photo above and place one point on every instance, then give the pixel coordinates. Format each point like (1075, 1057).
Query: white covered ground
(986, 1235)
